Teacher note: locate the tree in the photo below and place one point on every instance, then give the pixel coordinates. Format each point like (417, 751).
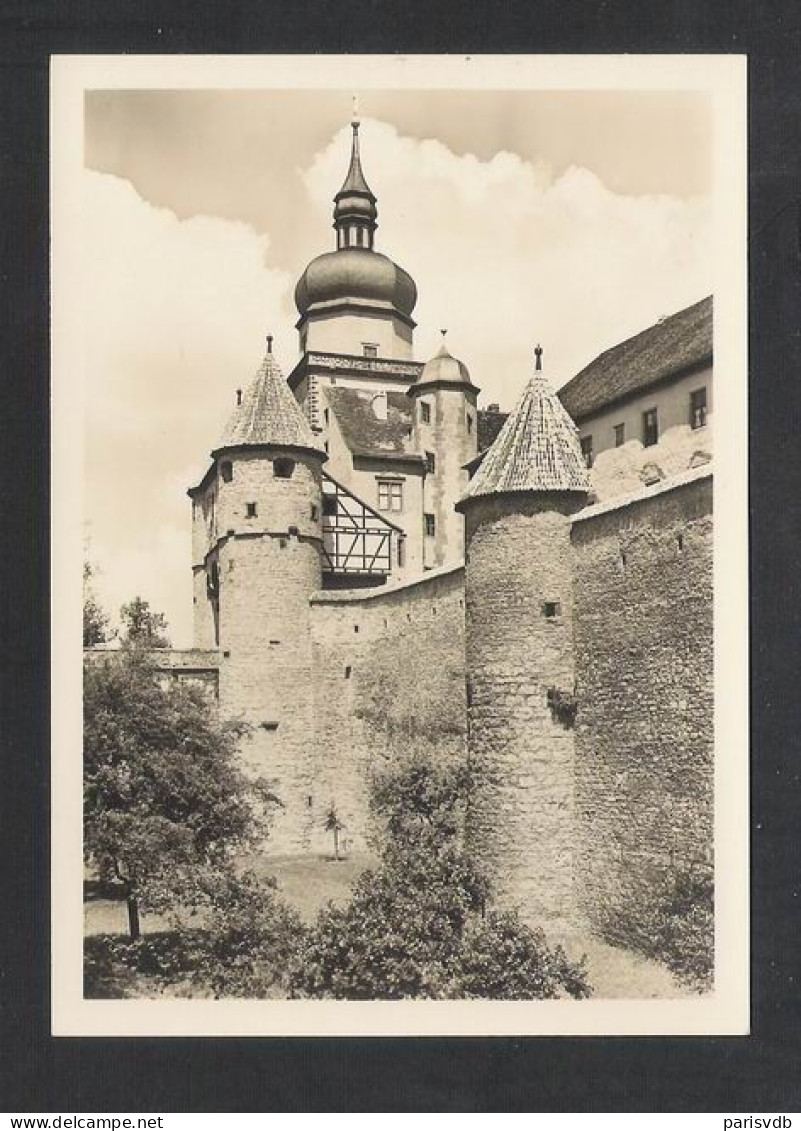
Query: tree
(166, 807)
(142, 628)
(417, 925)
(334, 825)
(95, 620)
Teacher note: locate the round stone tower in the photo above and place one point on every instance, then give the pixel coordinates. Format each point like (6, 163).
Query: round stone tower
(262, 505)
(519, 655)
(446, 431)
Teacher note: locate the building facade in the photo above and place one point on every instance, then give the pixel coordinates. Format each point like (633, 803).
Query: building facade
(380, 566)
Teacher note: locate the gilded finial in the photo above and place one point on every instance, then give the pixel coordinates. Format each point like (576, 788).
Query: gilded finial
(538, 358)
(269, 343)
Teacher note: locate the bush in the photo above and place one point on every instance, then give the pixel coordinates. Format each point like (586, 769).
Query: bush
(243, 948)
(415, 926)
(668, 915)
(503, 959)
(684, 929)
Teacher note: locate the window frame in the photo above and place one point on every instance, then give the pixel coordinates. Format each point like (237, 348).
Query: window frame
(619, 433)
(425, 412)
(704, 408)
(587, 450)
(393, 489)
(430, 524)
(646, 442)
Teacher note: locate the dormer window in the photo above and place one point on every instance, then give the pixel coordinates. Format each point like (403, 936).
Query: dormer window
(283, 468)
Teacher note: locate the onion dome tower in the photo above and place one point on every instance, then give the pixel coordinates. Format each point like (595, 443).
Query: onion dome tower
(446, 431)
(355, 296)
(257, 552)
(519, 653)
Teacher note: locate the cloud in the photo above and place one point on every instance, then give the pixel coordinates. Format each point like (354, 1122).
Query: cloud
(505, 255)
(175, 312)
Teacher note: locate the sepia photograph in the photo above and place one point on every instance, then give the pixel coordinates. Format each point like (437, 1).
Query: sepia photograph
(401, 571)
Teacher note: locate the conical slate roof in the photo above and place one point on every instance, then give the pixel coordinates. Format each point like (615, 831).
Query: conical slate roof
(536, 450)
(269, 415)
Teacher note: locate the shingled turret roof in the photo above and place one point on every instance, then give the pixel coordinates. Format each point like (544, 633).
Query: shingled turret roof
(268, 415)
(537, 449)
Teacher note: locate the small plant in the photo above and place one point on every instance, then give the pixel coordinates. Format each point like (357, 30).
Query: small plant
(563, 706)
(334, 825)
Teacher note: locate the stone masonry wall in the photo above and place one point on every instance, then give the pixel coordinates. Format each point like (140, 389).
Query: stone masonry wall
(389, 679)
(644, 729)
(518, 591)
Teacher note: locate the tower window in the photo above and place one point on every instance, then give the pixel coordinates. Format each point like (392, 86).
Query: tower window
(431, 525)
(469, 424)
(650, 428)
(586, 449)
(250, 510)
(551, 610)
(425, 412)
(283, 468)
(698, 408)
(390, 495)
(315, 513)
(369, 349)
(401, 552)
(431, 463)
(326, 415)
(227, 470)
(620, 435)
(347, 671)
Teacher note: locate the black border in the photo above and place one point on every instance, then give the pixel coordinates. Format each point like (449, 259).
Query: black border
(39, 1073)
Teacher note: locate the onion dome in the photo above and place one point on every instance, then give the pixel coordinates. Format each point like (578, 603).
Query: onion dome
(355, 271)
(267, 415)
(443, 370)
(537, 449)
(358, 274)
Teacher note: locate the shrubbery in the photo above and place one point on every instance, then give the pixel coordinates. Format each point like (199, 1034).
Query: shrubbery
(669, 915)
(416, 926)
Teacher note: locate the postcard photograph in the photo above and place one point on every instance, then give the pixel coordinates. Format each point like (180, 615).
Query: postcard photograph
(399, 450)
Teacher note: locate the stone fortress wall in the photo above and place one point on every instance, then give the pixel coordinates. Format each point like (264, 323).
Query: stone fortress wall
(388, 679)
(644, 685)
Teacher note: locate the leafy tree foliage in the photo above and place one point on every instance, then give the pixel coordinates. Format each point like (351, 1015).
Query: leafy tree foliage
(142, 627)
(166, 807)
(95, 620)
(417, 925)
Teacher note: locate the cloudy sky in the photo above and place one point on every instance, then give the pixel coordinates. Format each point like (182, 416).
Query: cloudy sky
(570, 218)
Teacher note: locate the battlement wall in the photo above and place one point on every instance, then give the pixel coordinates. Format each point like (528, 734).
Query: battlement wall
(389, 679)
(643, 613)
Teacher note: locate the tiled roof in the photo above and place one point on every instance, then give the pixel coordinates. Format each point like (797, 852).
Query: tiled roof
(537, 449)
(269, 415)
(364, 432)
(671, 346)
